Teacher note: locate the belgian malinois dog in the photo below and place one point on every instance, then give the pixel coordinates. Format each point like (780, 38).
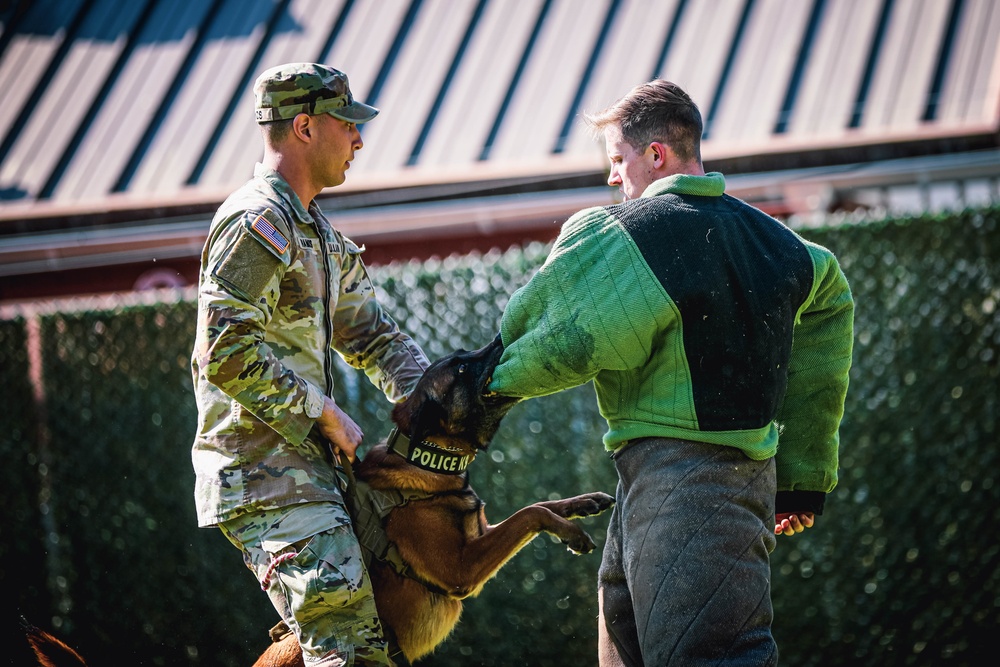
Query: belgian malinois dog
(448, 547)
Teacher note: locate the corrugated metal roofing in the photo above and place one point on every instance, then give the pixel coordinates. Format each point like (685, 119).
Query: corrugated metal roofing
(151, 98)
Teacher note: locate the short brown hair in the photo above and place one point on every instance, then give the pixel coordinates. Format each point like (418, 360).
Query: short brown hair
(655, 111)
(276, 131)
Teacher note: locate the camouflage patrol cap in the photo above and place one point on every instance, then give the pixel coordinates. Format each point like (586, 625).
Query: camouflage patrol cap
(310, 88)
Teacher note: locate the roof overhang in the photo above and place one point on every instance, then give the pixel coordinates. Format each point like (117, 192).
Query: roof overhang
(417, 205)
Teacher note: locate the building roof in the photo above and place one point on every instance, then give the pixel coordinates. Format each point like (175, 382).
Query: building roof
(122, 111)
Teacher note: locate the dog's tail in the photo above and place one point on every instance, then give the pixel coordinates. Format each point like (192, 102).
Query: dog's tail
(48, 650)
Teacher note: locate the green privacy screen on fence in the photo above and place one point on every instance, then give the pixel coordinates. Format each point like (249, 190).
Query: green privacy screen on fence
(99, 540)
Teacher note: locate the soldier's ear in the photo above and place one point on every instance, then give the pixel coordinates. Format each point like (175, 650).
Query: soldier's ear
(302, 127)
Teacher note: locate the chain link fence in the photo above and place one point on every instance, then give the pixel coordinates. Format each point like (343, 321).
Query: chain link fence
(99, 543)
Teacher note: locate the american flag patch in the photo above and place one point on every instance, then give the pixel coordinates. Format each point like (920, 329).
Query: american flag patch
(270, 234)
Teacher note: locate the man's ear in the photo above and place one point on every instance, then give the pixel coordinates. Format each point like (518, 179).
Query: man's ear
(302, 127)
(659, 154)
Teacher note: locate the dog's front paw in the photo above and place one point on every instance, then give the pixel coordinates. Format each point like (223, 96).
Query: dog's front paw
(580, 543)
(589, 504)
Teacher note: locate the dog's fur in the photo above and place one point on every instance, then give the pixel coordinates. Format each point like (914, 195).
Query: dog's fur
(446, 539)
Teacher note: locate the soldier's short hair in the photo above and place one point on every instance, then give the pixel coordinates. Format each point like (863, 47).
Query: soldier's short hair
(276, 131)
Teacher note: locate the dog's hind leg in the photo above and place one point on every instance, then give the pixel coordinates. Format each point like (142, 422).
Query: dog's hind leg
(283, 652)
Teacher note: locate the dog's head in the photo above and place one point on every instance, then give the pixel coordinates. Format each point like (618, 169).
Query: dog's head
(449, 405)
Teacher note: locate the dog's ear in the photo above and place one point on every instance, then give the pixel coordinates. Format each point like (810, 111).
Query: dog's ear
(48, 650)
(427, 419)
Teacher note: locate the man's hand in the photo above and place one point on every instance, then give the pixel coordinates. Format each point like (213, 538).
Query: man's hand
(789, 523)
(344, 435)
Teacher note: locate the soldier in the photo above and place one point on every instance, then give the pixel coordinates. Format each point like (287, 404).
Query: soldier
(280, 291)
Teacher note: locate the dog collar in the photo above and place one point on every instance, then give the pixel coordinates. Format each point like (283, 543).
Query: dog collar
(429, 456)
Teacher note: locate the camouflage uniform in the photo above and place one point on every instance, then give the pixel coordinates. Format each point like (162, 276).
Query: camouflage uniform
(281, 291)
(321, 571)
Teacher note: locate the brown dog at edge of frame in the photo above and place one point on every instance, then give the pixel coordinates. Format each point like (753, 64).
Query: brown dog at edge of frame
(446, 539)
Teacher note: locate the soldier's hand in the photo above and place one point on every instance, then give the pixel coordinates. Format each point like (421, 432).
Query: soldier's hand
(344, 435)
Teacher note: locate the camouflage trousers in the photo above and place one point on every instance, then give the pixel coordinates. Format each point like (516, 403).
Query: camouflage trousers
(308, 560)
